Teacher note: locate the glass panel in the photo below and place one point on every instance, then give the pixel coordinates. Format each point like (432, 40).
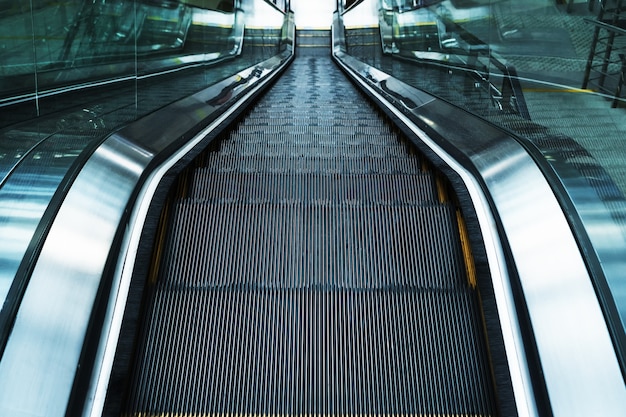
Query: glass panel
(100, 65)
(17, 71)
(91, 67)
(214, 34)
(549, 71)
(74, 39)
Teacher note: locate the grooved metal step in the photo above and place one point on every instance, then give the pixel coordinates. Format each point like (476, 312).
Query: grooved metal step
(313, 266)
(312, 187)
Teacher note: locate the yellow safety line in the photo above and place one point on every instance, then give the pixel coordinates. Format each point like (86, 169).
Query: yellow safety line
(161, 19)
(442, 192)
(470, 267)
(219, 26)
(160, 244)
(433, 23)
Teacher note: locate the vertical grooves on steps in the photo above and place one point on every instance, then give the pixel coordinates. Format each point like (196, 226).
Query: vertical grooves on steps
(312, 269)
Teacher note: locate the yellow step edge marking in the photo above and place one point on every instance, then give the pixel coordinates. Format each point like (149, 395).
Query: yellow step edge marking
(442, 192)
(470, 267)
(153, 273)
(433, 23)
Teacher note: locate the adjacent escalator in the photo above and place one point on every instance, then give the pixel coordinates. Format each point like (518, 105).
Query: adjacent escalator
(313, 264)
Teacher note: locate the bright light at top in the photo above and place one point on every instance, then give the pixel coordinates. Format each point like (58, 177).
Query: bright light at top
(316, 14)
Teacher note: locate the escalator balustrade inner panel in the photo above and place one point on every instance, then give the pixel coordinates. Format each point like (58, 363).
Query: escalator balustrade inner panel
(312, 266)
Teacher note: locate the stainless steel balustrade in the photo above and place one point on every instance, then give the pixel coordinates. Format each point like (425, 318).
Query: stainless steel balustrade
(521, 217)
(42, 357)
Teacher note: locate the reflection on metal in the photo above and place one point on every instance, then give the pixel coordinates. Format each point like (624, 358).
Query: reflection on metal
(33, 165)
(42, 359)
(512, 333)
(75, 249)
(128, 251)
(230, 90)
(578, 362)
(598, 206)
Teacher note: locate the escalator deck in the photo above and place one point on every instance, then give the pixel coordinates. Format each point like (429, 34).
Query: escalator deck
(312, 267)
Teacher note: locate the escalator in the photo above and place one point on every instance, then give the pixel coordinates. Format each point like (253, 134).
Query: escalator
(277, 237)
(313, 262)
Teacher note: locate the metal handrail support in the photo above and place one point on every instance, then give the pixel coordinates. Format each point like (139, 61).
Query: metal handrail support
(511, 91)
(611, 39)
(512, 94)
(620, 84)
(613, 31)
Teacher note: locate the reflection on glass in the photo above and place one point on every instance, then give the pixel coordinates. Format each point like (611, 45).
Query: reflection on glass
(59, 44)
(92, 66)
(550, 72)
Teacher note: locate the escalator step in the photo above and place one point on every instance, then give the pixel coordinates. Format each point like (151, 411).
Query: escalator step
(311, 268)
(295, 164)
(266, 187)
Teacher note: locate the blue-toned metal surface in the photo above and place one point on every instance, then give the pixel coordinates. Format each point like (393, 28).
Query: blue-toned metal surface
(578, 137)
(25, 194)
(42, 355)
(576, 353)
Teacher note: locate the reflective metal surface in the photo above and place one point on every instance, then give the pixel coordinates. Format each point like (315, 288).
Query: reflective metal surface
(512, 334)
(507, 61)
(576, 353)
(25, 193)
(38, 366)
(42, 356)
(41, 151)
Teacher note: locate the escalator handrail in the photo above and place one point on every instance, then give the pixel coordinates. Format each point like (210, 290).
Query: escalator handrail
(57, 355)
(543, 287)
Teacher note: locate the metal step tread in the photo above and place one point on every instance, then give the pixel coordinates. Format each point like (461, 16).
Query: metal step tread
(319, 164)
(363, 188)
(315, 271)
